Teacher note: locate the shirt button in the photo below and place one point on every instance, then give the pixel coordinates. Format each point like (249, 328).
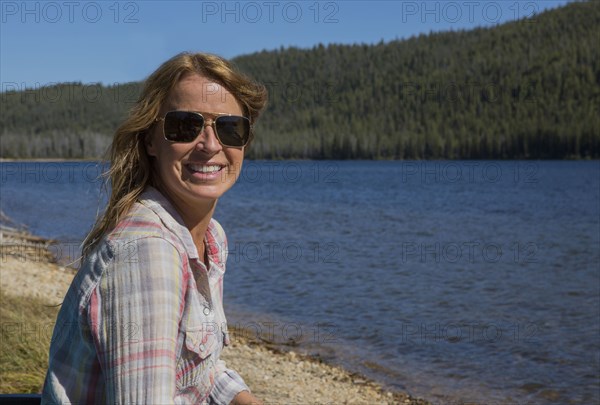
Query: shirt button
(202, 347)
(206, 311)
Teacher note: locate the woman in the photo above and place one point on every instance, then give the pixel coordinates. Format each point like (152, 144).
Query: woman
(143, 321)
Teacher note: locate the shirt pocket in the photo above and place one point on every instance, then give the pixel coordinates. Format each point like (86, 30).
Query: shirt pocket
(195, 368)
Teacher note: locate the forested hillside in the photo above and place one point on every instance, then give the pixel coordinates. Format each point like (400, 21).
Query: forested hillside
(526, 89)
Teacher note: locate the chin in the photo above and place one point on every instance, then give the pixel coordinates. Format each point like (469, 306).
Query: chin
(207, 192)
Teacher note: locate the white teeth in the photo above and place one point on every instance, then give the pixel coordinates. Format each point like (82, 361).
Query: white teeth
(204, 169)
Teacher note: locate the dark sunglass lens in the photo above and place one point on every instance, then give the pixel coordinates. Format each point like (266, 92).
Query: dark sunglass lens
(182, 126)
(233, 130)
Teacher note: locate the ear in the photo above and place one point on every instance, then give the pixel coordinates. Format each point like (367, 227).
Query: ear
(149, 143)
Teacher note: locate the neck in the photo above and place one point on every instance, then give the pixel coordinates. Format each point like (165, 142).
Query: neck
(196, 219)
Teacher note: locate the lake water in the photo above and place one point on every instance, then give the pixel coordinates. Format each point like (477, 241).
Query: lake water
(470, 281)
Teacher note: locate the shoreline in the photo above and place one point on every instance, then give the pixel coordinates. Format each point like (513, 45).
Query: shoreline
(274, 373)
(320, 344)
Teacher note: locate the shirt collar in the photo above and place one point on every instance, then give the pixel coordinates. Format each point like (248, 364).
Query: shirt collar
(154, 200)
(214, 241)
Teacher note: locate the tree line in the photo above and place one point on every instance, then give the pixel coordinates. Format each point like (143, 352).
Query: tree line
(528, 89)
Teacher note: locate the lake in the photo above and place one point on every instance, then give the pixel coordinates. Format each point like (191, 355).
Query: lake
(451, 280)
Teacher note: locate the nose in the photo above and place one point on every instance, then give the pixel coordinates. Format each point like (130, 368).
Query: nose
(208, 141)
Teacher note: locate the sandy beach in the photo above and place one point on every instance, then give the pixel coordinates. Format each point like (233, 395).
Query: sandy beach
(275, 376)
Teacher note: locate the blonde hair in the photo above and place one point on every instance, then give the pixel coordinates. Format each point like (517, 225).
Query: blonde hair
(130, 169)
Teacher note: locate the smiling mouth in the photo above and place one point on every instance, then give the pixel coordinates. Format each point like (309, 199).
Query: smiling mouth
(204, 168)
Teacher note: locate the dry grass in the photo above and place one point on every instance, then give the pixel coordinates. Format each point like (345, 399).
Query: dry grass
(27, 325)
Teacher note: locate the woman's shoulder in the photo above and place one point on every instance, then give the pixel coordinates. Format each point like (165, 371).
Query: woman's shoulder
(139, 239)
(139, 222)
(142, 226)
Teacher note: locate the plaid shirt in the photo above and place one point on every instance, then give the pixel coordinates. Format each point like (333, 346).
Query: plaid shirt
(143, 321)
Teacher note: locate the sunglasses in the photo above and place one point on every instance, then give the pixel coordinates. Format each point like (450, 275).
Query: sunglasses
(185, 126)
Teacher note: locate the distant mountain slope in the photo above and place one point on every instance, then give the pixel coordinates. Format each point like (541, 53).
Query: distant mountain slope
(525, 89)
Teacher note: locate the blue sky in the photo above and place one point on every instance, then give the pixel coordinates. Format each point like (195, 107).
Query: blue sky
(43, 42)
